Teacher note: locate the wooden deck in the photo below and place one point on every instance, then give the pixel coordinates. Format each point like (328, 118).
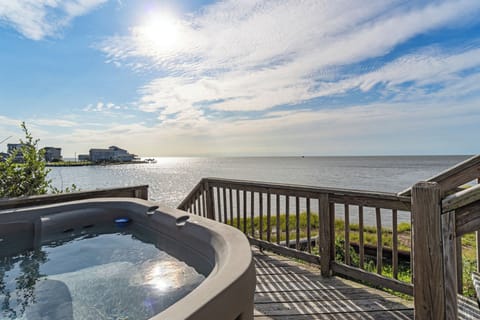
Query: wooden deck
(290, 290)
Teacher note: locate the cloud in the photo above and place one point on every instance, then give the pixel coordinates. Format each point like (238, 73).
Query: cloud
(375, 128)
(53, 123)
(37, 19)
(241, 56)
(6, 121)
(103, 107)
(411, 76)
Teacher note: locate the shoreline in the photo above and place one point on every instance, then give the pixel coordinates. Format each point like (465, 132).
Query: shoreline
(88, 163)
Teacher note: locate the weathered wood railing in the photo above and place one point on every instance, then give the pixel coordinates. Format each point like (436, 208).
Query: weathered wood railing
(310, 223)
(442, 213)
(439, 225)
(128, 192)
(460, 216)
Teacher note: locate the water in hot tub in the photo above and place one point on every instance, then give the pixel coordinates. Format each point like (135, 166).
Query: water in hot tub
(104, 276)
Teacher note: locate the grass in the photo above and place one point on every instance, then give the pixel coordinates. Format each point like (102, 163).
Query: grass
(404, 232)
(369, 232)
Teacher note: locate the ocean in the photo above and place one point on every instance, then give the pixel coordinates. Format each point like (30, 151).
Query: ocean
(171, 179)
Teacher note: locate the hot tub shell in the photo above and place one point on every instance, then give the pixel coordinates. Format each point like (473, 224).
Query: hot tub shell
(217, 250)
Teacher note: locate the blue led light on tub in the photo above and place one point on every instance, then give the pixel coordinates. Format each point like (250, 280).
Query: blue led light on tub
(120, 222)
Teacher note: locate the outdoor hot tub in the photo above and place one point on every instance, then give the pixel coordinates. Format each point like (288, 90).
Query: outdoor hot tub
(119, 258)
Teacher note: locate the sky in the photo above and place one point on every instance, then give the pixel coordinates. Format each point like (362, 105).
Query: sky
(242, 78)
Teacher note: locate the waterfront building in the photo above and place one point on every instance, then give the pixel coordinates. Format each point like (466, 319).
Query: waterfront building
(112, 154)
(16, 148)
(53, 154)
(83, 157)
(3, 156)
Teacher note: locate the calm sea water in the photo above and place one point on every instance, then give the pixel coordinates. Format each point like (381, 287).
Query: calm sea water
(170, 179)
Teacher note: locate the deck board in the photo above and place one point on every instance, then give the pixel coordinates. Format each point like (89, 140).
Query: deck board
(290, 290)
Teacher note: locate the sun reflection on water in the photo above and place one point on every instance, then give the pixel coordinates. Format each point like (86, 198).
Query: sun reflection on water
(164, 276)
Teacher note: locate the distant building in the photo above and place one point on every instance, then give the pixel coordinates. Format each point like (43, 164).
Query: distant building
(3, 156)
(83, 157)
(112, 154)
(12, 147)
(53, 154)
(16, 148)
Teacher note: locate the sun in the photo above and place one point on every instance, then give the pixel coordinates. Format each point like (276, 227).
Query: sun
(161, 31)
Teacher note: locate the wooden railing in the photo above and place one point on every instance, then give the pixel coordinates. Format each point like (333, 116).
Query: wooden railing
(460, 216)
(442, 214)
(129, 192)
(313, 224)
(439, 225)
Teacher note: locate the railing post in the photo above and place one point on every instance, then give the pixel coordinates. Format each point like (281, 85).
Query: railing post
(325, 235)
(429, 286)
(209, 196)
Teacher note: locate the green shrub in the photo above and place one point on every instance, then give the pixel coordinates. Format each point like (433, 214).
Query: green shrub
(29, 177)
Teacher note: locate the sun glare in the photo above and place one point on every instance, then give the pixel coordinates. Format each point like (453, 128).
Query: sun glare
(160, 31)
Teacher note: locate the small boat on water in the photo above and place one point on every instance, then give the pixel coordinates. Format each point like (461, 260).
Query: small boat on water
(150, 160)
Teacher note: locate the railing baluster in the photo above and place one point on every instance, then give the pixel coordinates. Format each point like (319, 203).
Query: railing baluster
(196, 206)
(278, 218)
(230, 191)
(204, 208)
(209, 198)
(309, 235)
(199, 198)
(361, 250)
(260, 222)
(219, 209)
(269, 216)
(297, 222)
(245, 211)
(394, 244)
(347, 234)
(252, 213)
(287, 220)
(225, 217)
(459, 265)
(379, 240)
(238, 208)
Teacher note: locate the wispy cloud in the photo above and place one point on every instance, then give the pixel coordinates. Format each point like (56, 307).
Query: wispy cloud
(6, 121)
(387, 127)
(412, 76)
(256, 55)
(53, 123)
(37, 19)
(103, 107)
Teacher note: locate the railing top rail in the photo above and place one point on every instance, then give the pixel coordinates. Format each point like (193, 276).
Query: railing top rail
(455, 176)
(12, 203)
(295, 187)
(334, 193)
(461, 198)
